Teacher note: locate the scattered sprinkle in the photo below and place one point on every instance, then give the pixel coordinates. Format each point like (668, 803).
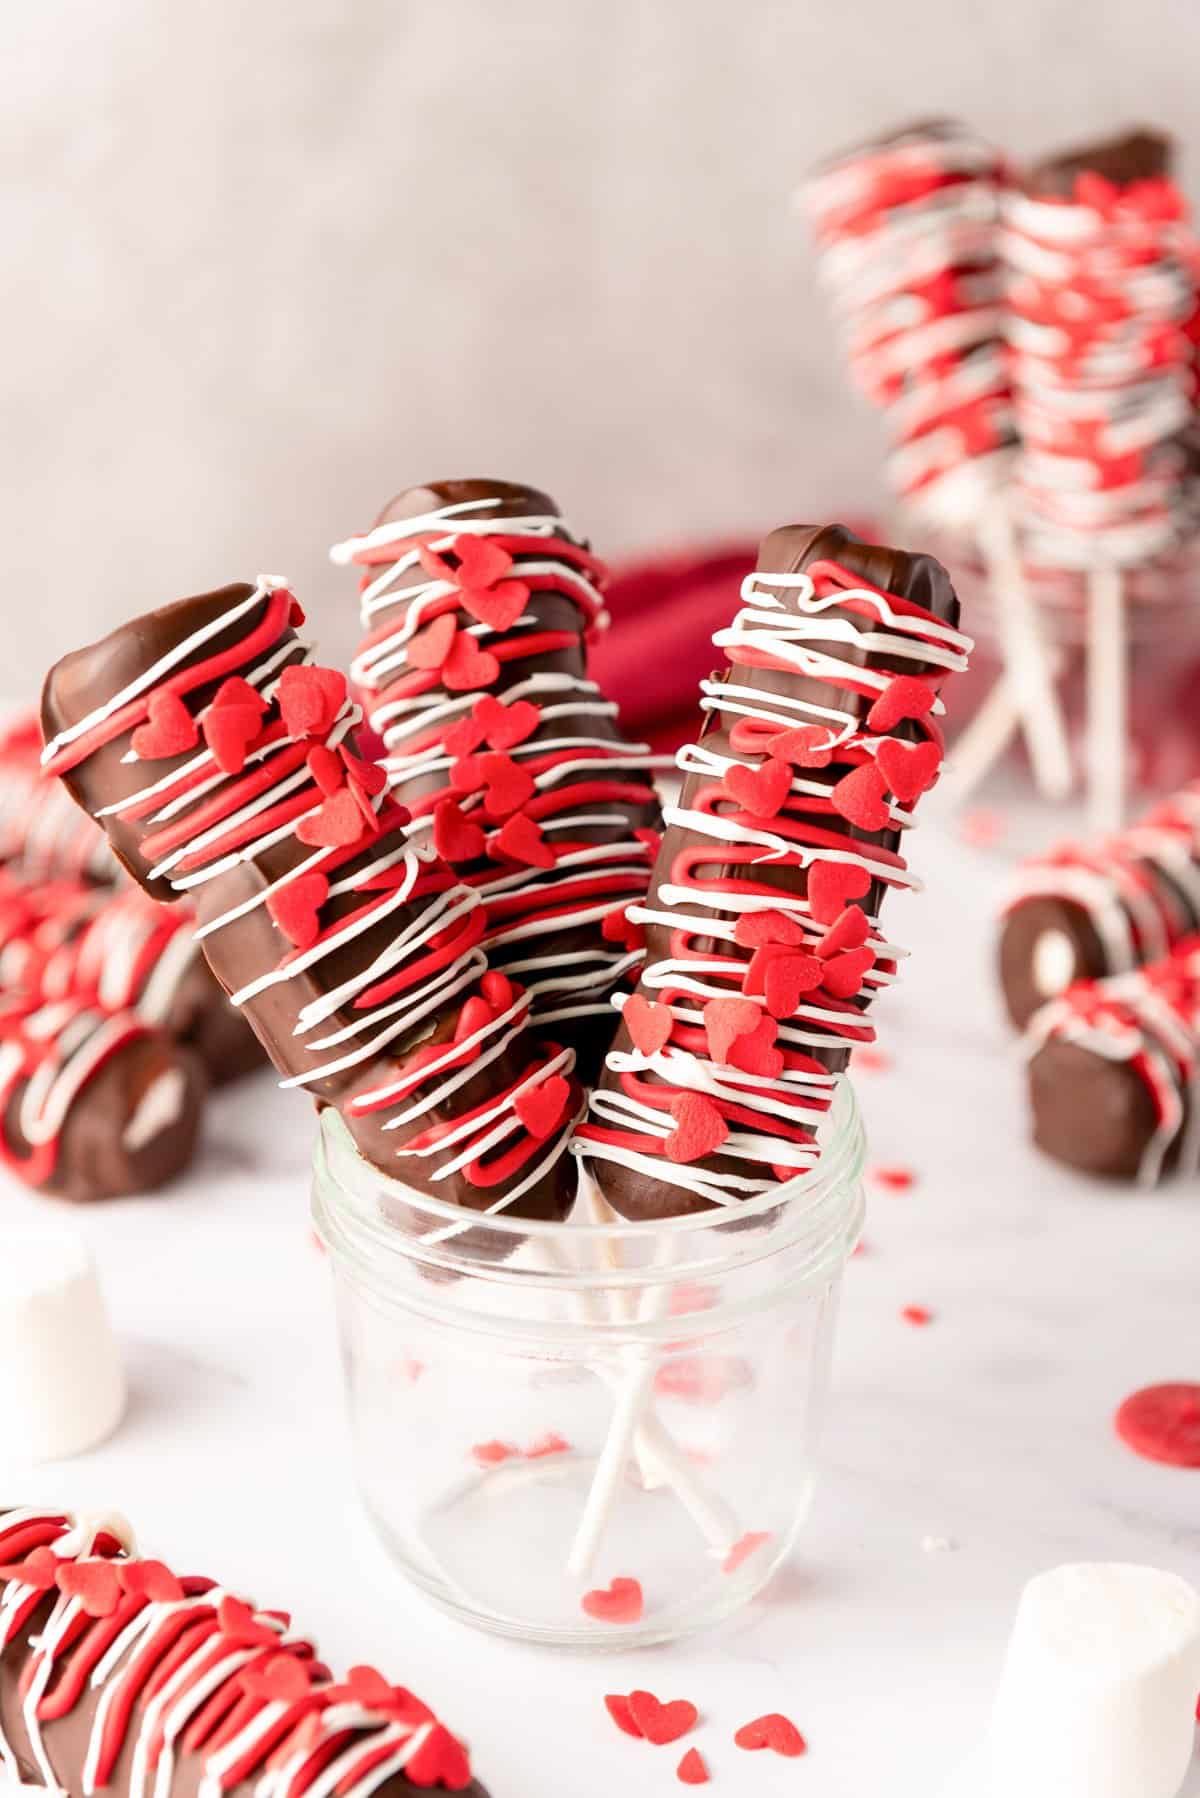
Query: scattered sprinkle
(982, 828)
(692, 1769)
(662, 1723)
(917, 1315)
(896, 1179)
(1162, 1423)
(748, 1545)
(490, 1454)
(871, 1061)
(549, 1444)
(617, 1706)
(619, 1602)
(773, 1731)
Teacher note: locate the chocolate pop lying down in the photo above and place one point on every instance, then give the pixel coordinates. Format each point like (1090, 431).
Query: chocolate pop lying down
(763, 945)
(220, 763)
(118, 1676)
(1087, 910)
(477, 601)
(1113, 1066)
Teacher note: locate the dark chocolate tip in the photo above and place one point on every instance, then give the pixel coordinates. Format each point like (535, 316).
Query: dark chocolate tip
(1137, 155)
(908, 574)
(514, 496)
(937, 130)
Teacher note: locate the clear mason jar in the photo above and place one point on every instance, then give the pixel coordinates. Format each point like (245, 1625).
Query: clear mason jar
(594, 1433)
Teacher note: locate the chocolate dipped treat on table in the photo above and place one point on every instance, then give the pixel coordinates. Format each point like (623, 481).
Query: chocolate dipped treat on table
(478, 601)
(1113, 1071)
(220, 761)
(119, 1676)
(42, 835)
(763, 944)
(1084, 911)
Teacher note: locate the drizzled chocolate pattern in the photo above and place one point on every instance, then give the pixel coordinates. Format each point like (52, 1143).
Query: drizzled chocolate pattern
(221, 762)
(117, 1675)
(763, 943)
(477, 601)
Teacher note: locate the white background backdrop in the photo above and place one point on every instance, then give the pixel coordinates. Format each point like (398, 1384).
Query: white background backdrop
(269, 262)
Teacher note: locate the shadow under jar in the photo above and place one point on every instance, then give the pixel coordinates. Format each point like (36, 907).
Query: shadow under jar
(594, 1434)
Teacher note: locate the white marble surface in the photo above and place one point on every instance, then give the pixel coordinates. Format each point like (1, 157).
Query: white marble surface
(990, 1430)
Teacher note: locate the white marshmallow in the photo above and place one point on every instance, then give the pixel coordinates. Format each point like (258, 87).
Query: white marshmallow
(62, 1385)
(1098, 1695)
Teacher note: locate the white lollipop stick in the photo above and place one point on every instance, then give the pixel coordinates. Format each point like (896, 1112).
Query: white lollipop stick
(1028, 663)
(1107, 697)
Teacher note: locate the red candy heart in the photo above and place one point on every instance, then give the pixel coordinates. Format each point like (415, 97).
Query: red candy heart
(365, 1686)
(727, 1019)
(497, 989)
(772, 1731)
(509, 786)
(755, 1053)
(807, 746)
(280, 1680)
(661, 1723)
(831, 884)
(649, 1025)
(169, 729)
(541, 1108)
(466, 774)
(909, 769)
(150, 1580)
(860, 798)
(441, 1760)
(456, 838)
(699, 1128)
(617, 928)
(295, 907)
(617, 1706)
(692, 1769)
(849, 931)
(94, 1583)
(232, 722)
(904, 697)
(430, 647)
(310, 699)
(1162, 1423)
(521, 839)
(463, 737)
(475, 1016)
(369, 776)
(335, 824)
(467, 666)
(326, 768)
(782, 976)
(759, 791)
(756, 928)
(651, 841)
(38, 1570)
(498, 607)
(237, 1622)
(493, 1454)
(844, 974)
(619, 1602)
(505, 726)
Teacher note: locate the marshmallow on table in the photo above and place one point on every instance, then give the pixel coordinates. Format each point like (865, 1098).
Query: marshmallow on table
(1098, 1695)
(62, 1385)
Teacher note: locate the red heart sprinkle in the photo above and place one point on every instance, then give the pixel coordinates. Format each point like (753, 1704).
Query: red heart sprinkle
(917, 1315)
(727, 1019)
(463, 737)
(498, 990)
(94, 1583)
(440, 1760)
(295, 611)
(521, 839)
(618, 928)
(295, 906)
(1162, 1423)
(744, 1548)
(772, 1731)
(649, 1025)
(849, 931)
(509, 786)
(860, 798)
(38, 1570)
(692, 1769)
(281, 1679)
(232, 722)
(335, 824)
(498, 607)
(699, 1128)
(429, 647)
(871, 1061)
(237, 1622)
(909, 769)
(549, 1444)
(844, 974)
(759, 791)
(456, 838)
(831, 884)
(782, 976)
(467, 666)
(475, 561)
(755, 1053)
(505, 726)
(475, 1016)
(904, 697)
(169, 729)
(620, 1602)
(150, 1580)
(662, 1723)
(541, 1108)
(617, 1706)
(807, 746)
(491, 1454)
(310, 699)
(897, 1179)
(367, 775)
(326, 768)
(466, 774)
(756, 928)
(365, 1686)
(651, 841)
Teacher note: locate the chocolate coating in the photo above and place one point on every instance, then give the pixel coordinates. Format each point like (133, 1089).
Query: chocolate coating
(1136, 155)
(1091, 1113)
(1023, 930)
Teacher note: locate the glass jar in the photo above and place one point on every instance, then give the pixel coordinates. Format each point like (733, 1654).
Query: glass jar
(593, 1433)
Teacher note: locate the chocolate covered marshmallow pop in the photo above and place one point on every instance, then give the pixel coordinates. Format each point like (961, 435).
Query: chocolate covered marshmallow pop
(477, 601)
(221, 763)
(763, 944)
(118, 1675)
(42, 835)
